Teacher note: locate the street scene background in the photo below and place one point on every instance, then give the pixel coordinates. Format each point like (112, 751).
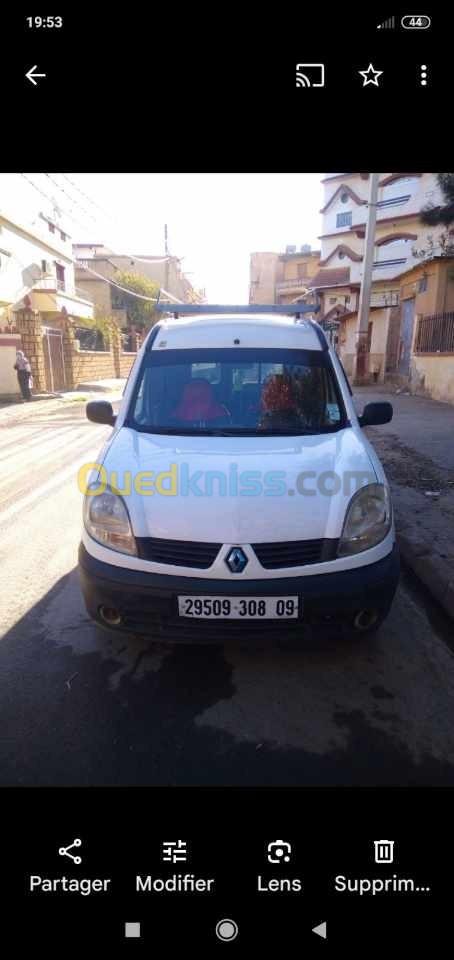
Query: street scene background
(82, 706)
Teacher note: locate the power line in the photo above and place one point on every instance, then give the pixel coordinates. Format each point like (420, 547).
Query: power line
(125, 289)
(71, 216)
(76, 202)
(165, 259)
(83, 194)
(36, 188)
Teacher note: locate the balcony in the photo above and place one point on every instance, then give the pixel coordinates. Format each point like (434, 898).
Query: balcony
(393, 202)
(385, 298)
(50, 295)
(297, 283)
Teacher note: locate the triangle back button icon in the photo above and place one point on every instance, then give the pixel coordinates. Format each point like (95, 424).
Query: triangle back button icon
(320, 930)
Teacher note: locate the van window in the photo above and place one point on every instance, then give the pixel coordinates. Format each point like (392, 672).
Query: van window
(237, 392)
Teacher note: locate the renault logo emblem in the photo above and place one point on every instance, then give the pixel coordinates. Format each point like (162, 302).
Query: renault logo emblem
(236, 560)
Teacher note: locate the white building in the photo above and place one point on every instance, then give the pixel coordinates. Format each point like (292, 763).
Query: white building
(35, 254)
(401, 197)
(37, 272)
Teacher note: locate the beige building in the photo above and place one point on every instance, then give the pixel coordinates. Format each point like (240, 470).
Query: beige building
(107, 299)
(36, 261)
(399, 233)
(281, 277)
(36, 276)
(411, 343)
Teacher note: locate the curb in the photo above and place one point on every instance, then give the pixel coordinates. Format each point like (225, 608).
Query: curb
(20, 412)
(433, 571)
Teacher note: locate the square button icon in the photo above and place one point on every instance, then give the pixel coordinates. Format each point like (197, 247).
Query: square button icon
(132, 929)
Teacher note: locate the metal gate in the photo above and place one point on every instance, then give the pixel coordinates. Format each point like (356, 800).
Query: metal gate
(406, 336)
(54, 359)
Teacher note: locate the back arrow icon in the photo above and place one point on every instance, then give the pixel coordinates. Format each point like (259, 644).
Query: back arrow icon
(31, 75)
(321, 930)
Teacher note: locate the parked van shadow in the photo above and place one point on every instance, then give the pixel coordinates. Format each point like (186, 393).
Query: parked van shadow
(82, 707)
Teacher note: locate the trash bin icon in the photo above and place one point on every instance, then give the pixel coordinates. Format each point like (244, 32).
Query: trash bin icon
(384, 851)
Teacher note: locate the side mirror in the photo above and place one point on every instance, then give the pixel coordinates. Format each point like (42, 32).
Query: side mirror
(375, 414)
(100, 411)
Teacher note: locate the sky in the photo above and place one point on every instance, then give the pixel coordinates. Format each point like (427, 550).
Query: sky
(215, 221)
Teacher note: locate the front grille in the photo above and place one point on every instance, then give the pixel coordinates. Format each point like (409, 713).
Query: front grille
(180, 553)
(295, 553)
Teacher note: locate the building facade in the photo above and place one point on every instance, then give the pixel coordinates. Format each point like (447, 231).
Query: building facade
(37, 280)
(398, 235)
(282, 277)
(107, 299)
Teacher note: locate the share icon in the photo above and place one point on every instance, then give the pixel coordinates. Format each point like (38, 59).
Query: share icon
(64, 851)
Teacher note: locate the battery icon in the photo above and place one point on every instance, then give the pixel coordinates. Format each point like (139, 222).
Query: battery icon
(415, 23)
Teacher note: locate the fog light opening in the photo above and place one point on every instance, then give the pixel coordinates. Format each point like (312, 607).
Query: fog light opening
(110, 615)
(365, 619)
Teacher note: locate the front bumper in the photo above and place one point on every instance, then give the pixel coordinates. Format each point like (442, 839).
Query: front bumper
(148, 602)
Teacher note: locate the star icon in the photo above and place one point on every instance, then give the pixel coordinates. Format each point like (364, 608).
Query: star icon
(370, 76)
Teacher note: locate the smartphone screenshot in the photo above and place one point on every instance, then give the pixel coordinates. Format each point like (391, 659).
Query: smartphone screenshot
(227, 479)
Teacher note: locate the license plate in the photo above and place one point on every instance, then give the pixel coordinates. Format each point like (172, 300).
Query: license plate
(239, 608)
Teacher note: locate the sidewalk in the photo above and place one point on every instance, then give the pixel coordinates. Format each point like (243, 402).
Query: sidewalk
(111, 390)
(417, 452)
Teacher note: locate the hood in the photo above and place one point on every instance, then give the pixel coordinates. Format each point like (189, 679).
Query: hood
(238, 490)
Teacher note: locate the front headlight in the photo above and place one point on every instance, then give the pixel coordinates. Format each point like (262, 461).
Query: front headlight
(367, 521)
(107, 520)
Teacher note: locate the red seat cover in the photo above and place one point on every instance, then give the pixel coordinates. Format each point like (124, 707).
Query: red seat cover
(199, 403)
(277, 394)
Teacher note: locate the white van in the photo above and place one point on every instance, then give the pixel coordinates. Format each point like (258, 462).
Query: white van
(237, 485)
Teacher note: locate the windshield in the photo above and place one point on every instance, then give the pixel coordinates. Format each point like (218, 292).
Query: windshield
(236, 392)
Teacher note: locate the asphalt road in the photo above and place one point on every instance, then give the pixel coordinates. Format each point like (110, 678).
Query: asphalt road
(83, 707)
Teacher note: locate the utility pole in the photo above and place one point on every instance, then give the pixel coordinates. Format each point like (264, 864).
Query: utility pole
(361, 366)
(166, 251)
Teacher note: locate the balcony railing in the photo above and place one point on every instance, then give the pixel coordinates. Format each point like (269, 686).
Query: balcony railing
(387, 298)
(394, 262)
(52, 284)
(393, 201)
(289, 284)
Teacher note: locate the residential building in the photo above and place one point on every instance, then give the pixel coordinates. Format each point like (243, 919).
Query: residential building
(282, 277)
(36, 276)
(422, 353)
(399, 233)
(36, 261)
(92, 259)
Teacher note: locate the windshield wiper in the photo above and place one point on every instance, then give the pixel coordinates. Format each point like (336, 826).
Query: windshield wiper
(235, 432)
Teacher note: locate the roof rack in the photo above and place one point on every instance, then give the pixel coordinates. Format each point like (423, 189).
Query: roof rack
(290, 309)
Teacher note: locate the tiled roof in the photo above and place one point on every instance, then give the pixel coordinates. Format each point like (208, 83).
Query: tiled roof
(335, 277)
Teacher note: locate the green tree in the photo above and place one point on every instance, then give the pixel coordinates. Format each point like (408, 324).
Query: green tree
(439, 215)
(141, 313)
(443, 214)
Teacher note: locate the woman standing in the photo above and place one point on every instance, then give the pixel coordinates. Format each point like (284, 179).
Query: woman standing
(24, 374)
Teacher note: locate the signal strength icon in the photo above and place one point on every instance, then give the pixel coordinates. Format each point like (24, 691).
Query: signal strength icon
(387, 24)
